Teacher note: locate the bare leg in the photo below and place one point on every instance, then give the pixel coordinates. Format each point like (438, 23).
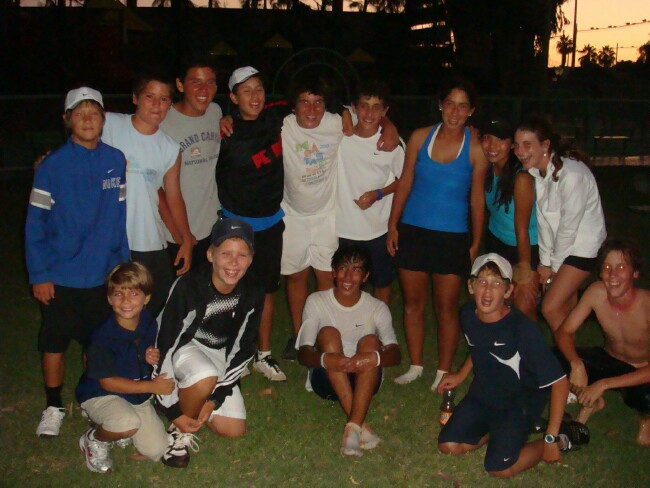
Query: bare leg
(266, 322)
(227, 426)
(526, 296)
(563, 295)
(643, 438)
(529, 456)
(446, 292)
(329, 340)
(192, 398)
(106, 436)
(297, 293)
(365, 382)
(585, 412)
(415, 285)
(324, 280)
(457, 448)
(53, 365)
(383, 294)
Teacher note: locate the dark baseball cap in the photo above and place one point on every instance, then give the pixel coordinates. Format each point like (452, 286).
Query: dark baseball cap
(497, 126)
(226, 228)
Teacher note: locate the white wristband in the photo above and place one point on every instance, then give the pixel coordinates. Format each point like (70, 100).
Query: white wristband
(322, 360)
(378, 358)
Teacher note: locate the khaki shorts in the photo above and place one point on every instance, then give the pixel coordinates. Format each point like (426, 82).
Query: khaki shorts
(194, 362)
(115, 414)
(308, 241)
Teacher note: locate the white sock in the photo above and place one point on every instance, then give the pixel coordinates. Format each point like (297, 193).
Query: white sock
(439, 374)
(572, 398)
(262, 354)
(412, 374)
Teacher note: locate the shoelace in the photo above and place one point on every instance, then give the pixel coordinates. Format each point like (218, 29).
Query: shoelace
(272, 363)
(187, 439)
(50, 416)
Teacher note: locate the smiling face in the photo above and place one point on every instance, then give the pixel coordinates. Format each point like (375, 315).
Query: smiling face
(85, 122)
(127, 303)
(152, 105)
(490, 291)
(198, 88)
(618, 274)
(249, 96)
(230, 261)
(496, 150)
(456, 108)
(309, 110)
(370, 111)
(532, 152)
(349, 276)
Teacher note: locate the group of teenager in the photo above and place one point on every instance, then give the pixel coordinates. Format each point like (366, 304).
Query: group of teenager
(157, 240)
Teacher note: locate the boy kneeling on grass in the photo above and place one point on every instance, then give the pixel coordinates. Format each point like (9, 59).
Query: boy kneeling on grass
(116, 388)
(346, 335)
(510, 357)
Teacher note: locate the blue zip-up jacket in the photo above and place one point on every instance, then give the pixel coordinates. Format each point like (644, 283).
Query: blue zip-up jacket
(114, 351)
(76, 219)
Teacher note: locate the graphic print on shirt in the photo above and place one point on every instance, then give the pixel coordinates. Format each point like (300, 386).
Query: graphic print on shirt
(192, 143)
(219, 313)
(512, 363)
(316, 161)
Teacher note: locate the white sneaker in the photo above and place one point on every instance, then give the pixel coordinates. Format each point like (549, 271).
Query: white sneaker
(368, 439)
(50, 423)
(270, 368)
(245, 372)
(95, 452)
(350, 444)
(177, 454)
(123, 443)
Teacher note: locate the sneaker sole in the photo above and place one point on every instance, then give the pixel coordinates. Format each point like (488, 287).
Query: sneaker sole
(47, 436)
(88, 465)
(271, 378)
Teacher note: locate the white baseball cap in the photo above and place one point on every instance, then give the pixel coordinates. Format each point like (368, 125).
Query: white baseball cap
(78, 95)
(502, 263)
(240, 75)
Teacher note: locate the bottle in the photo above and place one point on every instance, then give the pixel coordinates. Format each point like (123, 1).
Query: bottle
(447, 406)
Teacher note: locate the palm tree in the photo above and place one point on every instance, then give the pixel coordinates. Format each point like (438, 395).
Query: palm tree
(565, 47)
(589, 56)
(606, 57)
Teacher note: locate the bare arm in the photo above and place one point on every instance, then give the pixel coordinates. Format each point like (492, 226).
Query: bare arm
(449, 381)
(160, 385)
(388, 356)
(559, 393)
(477, 197)
(172, 185)
(311, 357)
(389, 138)
(166, 216)
(524, 198)
(369, 198)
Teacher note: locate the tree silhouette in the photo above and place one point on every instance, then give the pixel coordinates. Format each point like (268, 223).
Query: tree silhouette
(565, 47)
(589, 56)
(606, 57)
(644, 54)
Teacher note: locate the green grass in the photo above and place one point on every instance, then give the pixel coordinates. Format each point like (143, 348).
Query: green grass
(293, 437)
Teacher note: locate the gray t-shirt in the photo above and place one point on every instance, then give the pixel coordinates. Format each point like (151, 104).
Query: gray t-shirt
(200, 141)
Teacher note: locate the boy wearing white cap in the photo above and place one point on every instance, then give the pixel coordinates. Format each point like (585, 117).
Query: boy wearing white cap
(74, 235)
(513, 369)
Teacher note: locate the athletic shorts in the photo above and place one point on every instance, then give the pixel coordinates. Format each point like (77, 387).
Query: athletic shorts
(72, 314)
(600, 365)
(508, 429)
(162, 271)
(494, 244)
(267, 257)
(199, 253)
(308, 241)
(432, 251)
(583, 264)
(382, 269)
(115, 414)
(321, 385)
(194, 362)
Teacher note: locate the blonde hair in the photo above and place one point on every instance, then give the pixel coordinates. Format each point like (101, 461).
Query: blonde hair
(130, 275)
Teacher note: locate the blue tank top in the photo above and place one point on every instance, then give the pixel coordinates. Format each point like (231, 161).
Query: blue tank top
(502, 223)
(439, 198)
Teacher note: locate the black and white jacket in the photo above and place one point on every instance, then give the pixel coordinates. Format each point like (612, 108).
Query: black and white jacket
(181, 317)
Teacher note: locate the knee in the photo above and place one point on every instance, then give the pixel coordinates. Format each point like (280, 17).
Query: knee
(452, 448)
(369, 342)
(329, 339)
(230, 428)
(127, 425)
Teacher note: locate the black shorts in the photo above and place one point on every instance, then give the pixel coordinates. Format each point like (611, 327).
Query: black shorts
(600, 365)
(583, 264)
(508, 429)
(494, 244)
(382, 270)
(163, 274)
(268, 255)
(321, 385)
(199, 252)
(432, 251)
(72, 314)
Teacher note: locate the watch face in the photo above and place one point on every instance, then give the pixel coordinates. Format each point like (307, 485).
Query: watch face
(549, 438)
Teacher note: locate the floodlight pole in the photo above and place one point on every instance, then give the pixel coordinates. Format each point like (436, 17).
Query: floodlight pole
(575, 35)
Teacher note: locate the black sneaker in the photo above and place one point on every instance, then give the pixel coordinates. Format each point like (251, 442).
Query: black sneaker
(177, 454)
(289, 353)
(574, 434)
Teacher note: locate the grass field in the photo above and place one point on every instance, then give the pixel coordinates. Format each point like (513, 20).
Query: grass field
(293, 436)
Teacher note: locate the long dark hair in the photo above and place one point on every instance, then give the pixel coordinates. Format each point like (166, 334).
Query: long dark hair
(558, 148)
(506, 185)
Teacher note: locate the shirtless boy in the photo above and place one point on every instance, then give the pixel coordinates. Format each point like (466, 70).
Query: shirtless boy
(623, 313)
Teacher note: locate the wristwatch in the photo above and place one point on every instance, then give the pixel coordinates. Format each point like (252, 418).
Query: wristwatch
(551, 439)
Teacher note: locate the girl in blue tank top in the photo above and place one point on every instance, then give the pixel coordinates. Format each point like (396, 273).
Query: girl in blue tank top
(510, 199)
(442, 180)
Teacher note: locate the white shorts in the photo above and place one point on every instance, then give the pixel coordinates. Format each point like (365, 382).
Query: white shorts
(308, 241)
(194, 362)
(115, 414)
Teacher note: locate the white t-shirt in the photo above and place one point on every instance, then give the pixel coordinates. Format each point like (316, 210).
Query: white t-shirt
(200, 141)
(362, 168)
(148, 158)
(310, 165)
(368, 316)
